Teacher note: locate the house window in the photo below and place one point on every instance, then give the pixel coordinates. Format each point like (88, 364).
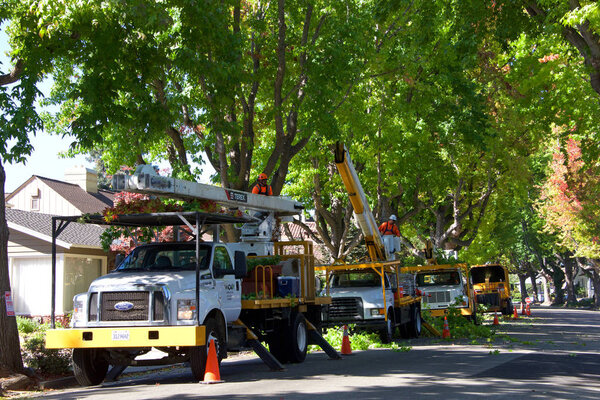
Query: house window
(35, 203)
(79, 272)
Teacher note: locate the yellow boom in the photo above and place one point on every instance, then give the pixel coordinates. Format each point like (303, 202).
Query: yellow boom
(362, 211)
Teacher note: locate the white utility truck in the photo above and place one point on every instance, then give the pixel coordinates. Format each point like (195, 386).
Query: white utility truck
(443, 286)
(373, 295)
(177, 296)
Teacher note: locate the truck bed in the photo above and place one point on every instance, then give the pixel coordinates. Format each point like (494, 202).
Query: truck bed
(284, 302)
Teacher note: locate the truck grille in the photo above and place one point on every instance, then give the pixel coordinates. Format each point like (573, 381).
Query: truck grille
(93, 307)
(437, 297)
(345, 308)
(159, 306)
(139, 312)
(490, 299)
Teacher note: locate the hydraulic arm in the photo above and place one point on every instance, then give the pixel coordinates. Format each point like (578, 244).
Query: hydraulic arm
(362, 211)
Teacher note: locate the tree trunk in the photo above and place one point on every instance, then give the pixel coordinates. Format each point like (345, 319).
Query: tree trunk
(596, 284)
(545, 278)
(569, 263)
(10, 350)
(558, 278)
(534, 288)
(522, 279)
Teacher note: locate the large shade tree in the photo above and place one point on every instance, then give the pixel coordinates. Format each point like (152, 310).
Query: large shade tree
(18, 119)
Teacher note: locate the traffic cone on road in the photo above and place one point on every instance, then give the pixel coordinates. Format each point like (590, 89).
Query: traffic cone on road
(515, 314)
(528, 311)
(211, 373)
(496, 322)
(446, 331)
(523, 308)
(346, 349)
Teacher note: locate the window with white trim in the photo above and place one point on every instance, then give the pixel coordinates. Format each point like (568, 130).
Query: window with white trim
(35, 203)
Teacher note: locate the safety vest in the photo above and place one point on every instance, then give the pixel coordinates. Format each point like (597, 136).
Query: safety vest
(264, 189)
(389, 228)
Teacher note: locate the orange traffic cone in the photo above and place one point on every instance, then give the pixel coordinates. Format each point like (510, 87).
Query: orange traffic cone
(346, 349)
(496, 322)
(528, 311)
(212, 374)
(523, 308)
(446, 331)
(515, 314)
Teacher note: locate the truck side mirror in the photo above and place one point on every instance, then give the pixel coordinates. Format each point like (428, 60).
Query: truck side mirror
(119, 259)
(240, 264)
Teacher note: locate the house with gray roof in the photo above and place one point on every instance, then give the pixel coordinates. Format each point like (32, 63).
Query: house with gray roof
(80, 258)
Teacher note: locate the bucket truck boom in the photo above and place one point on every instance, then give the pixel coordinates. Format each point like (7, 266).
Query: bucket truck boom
(378, 251)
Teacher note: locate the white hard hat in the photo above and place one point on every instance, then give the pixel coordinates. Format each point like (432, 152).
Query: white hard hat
(392, 217)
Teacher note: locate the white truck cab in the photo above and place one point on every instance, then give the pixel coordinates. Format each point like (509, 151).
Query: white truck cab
(443, 286)
(155, 285)
(357, 298)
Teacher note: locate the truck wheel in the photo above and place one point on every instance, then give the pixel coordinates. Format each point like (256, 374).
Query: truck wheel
(508, 310)
(473, 318)
(403, 328)
(414, 329)
(277, 347)
(298, 339)
(89, 366)
(199, 354)
(386, 334)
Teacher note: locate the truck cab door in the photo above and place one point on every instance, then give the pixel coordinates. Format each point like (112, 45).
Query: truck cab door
(229, 289)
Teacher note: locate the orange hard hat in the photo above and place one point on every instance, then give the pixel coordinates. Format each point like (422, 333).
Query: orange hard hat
(263, 176)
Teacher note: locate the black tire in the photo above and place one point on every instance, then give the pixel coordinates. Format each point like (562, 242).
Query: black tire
(414, 327)
(199, 354)
(277, 347)
(297, 343)
(509, 308)
(387, 334)
(90, 366)
(403, 328)
(473, 318)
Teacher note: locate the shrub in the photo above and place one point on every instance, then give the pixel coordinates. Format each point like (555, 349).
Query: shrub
(460, 326)
(37, 356)
(359, 340)
(27, 326)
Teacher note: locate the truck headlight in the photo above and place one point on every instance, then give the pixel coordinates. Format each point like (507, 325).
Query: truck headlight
(186, 309)
(376, 311)
(78, 311)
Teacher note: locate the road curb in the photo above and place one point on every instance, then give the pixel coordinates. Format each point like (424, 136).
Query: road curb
(60, 383)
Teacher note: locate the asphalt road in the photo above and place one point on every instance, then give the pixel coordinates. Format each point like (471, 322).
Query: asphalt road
(555, 354)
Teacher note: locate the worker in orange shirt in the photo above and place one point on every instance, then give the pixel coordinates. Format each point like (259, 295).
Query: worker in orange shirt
(389, 227)
(262, 187)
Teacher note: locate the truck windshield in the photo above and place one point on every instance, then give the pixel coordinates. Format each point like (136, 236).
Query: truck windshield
(355, 279)
(168, 257)
(438, 278)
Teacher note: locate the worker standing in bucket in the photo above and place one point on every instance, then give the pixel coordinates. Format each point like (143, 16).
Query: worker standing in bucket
(389, 227)
(262, 187)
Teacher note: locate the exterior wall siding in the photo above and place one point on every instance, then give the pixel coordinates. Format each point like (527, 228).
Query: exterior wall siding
(49, 201)
(30, 266)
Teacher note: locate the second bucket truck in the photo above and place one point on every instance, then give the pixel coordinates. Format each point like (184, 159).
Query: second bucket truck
(373, 295)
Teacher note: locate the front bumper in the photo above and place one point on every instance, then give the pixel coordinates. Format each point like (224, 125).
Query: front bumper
(444, 311)
(123, 337)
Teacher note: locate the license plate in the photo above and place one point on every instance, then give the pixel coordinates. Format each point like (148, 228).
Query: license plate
(120, 335)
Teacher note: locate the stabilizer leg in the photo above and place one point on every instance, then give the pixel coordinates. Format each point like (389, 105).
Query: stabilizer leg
(260, 350)
(321, 342)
